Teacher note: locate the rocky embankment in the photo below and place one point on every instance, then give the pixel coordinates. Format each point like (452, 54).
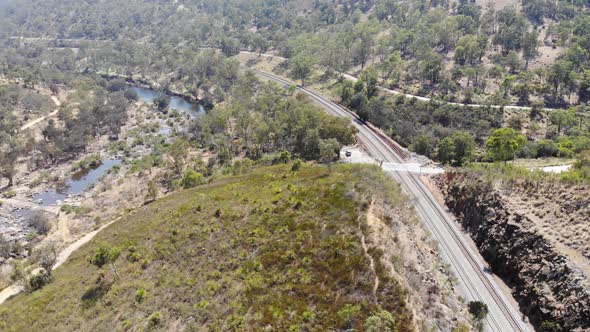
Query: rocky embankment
(548, 286)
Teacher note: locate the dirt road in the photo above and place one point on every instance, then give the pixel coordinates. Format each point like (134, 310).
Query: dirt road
(62, 257)
(43, 118)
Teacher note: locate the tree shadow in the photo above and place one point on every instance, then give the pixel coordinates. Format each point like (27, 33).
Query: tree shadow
(95, 293)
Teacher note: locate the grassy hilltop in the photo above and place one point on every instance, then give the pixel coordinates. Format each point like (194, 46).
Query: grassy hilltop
(270, 250)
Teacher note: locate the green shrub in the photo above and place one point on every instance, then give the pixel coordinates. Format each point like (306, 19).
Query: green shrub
(38, 180)
(104, 254)
(37, 281)
(31, 235)
(9, 194)
(126, 324)
(88, 162)
(308, 316)
(192, 179)
(67, 208)
(242, 166)
(461, 328)
(116, 169)
(155, 319)
(548, 326)
(283, 157)
(348, 313)
(296, 165)
(478, 309)
(140, 295)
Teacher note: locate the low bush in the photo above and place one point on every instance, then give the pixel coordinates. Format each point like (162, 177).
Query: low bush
(39, 222)
(91, 161)
(9, 194)
(192, 179)
(37, 281)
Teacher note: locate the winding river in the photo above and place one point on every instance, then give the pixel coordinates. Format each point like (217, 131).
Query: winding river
(82, 181)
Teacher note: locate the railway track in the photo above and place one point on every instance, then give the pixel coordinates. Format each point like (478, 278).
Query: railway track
(412, 181)
(465, 263)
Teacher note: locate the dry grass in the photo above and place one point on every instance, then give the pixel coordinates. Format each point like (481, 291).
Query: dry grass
(270, 248)
(557, 209)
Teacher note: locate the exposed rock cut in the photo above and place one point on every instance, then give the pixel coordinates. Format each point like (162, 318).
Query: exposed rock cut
(548, 286)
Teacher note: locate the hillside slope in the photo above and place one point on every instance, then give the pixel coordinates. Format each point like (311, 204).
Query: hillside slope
(272, 250)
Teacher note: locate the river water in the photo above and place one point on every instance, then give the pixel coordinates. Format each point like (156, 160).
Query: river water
(80, 182)
(178, 103)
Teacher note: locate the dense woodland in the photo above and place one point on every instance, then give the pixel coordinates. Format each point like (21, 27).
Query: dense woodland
(451, 51)
(530, 53)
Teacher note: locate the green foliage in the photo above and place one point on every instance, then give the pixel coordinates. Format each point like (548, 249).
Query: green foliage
(9, 194)
(446, 151)
(76, 209)
(243, 166)
(178, 152)
(254, 245)
(296, 165)
(140, 295)
(162, 101)
(368, 82)
(38, 281)
(547, 326)
(145, 163)
(461, 328)
(457, 149)
(284, 157)
(91, 161)
(301, 67)
(563, 120)
(469, 50)
(104, 254)
(504, 143)
(381, 321)
(127, 324)
(293, 126)
(478, 309)
(192, 179)
(348, 313)
(329, 150)
(154, 320)
(152, 191)
(464, 147)
(346, 91)
(422, 145)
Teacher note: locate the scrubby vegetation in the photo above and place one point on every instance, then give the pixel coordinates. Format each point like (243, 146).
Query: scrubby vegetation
(280, 247)
(271, 247)
(511, 172)
(456, 134)
(454, 50)
(485, 56)
(261, 119)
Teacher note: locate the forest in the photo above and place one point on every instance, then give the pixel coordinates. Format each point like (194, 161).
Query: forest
(90, 91)
(533, 53)
(458, 51)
